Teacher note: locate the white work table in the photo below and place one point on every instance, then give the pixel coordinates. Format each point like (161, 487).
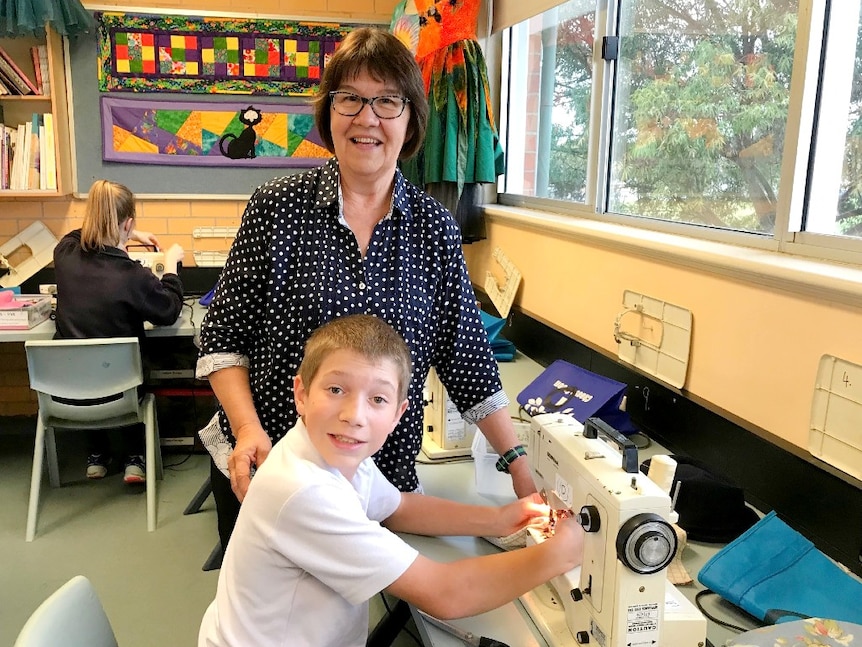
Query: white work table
(510, 623)
(186, 325)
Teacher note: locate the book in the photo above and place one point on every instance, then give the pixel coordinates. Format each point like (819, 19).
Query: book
(16, 182)
(4, 156)
(37, 69)
(43, 176)
(43, 66)
(15, 75)
(50, 159)
(7, 81)
(33, 157)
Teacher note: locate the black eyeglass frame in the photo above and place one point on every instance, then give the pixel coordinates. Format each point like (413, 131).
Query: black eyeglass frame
(366, 101)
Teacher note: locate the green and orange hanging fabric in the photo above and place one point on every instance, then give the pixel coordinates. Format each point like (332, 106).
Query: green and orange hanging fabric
(461, 144)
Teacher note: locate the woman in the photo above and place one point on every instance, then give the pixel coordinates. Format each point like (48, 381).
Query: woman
(352, 236)
(101, 292)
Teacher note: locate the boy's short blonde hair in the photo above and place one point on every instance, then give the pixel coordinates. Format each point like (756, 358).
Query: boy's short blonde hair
(366, 335)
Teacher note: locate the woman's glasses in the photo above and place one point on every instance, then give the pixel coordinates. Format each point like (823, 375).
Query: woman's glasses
(385, 107)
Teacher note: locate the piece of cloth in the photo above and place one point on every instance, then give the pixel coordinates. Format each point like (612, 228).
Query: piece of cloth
(517, 539)
(676, 571)
(107, 294)
(812, 632)
(462, 148)
(711, 508)
(461, 143)
(307, 554)
(295, 265)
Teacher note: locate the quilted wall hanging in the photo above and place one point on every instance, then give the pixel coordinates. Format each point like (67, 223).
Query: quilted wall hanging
(251, 133)
(153, 53)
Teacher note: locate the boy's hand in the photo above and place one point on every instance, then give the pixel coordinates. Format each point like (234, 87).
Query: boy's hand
(568, 543)
(529, 511)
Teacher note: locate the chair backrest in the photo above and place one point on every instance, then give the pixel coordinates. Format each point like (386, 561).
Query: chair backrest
(72, 616)
(85, 380)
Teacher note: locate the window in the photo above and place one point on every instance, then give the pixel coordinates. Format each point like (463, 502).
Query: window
(735, 116)
(835, 198)
(551, 70)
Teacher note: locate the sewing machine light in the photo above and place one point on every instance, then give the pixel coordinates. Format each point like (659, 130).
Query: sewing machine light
(646, 543)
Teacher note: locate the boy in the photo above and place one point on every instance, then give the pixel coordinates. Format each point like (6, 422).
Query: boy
(315, 536)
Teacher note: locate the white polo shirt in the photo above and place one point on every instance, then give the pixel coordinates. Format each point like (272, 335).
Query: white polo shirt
(306, 555)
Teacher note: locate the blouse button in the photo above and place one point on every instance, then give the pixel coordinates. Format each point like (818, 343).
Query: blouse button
(362, 286)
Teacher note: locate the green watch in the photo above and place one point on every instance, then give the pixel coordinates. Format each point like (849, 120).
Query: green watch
(510, 457)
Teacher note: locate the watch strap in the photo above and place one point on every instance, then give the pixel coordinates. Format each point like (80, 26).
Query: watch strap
(510, 457)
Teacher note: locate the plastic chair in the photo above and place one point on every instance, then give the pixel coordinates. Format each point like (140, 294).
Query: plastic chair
(72, 616)
(88, 384)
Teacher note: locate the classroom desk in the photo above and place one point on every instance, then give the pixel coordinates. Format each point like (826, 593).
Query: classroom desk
(186, 325)
(511, 623)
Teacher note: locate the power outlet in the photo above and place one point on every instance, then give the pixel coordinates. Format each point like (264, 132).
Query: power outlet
(48, 288)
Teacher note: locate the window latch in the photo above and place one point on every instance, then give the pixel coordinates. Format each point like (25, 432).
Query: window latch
(610, 48)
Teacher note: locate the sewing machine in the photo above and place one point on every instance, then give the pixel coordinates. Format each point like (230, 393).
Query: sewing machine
(446, 434)
(620, 596)
(154, 261)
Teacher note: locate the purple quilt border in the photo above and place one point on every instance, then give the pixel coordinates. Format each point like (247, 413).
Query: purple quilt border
(111, 155)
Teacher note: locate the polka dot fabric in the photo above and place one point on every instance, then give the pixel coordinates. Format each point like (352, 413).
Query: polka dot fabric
(295, 265)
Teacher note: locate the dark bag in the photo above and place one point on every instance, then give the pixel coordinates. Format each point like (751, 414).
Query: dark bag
(777, 575)
(566, 388)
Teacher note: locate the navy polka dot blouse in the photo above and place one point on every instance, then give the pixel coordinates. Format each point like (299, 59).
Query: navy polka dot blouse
(295, 265)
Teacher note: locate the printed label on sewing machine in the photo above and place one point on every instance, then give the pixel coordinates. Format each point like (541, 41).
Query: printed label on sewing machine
(642, 625)
(563, 490)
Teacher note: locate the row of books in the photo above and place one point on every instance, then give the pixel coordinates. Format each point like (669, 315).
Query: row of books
(14, 81)
(27, 157)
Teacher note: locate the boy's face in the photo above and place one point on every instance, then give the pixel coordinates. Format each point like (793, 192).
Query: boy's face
(350, 407)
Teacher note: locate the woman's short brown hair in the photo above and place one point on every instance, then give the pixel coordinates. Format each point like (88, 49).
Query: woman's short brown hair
(386, 59)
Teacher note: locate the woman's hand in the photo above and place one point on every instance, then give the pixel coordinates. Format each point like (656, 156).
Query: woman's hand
(144, 237)
(530, 511)
(252, 447)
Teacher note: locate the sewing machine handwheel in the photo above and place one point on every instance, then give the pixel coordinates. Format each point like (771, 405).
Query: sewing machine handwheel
(646, 543)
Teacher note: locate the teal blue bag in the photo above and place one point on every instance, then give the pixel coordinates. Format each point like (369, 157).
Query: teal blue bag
(777, 575)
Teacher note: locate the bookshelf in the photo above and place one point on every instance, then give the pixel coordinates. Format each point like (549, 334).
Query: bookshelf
(19, 109)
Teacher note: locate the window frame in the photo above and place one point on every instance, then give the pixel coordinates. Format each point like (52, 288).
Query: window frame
(788, 238)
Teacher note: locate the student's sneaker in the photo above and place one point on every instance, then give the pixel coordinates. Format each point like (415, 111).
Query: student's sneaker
(97, 466)
(135, 470)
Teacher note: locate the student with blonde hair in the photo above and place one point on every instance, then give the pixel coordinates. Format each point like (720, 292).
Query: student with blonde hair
(315, 537)
(101, 292)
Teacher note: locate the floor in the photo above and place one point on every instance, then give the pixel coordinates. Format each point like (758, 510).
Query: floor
(151, 584)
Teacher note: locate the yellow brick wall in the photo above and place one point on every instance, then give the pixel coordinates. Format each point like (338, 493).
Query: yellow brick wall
(171, 220)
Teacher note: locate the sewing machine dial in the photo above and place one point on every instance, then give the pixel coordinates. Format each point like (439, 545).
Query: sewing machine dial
(646, 543)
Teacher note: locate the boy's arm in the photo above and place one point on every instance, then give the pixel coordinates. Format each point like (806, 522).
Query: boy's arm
(420, 514)
(470, 586)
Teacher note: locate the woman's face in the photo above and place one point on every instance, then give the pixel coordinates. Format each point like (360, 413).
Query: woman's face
(365, 144)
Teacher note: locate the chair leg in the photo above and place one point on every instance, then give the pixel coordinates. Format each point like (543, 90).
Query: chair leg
(214, 560)
(35, 480)
(160, 470)
(198, 500)
(150, 430)
(51, 450)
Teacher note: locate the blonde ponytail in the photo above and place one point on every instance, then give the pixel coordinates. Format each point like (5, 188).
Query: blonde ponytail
(109, 204)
